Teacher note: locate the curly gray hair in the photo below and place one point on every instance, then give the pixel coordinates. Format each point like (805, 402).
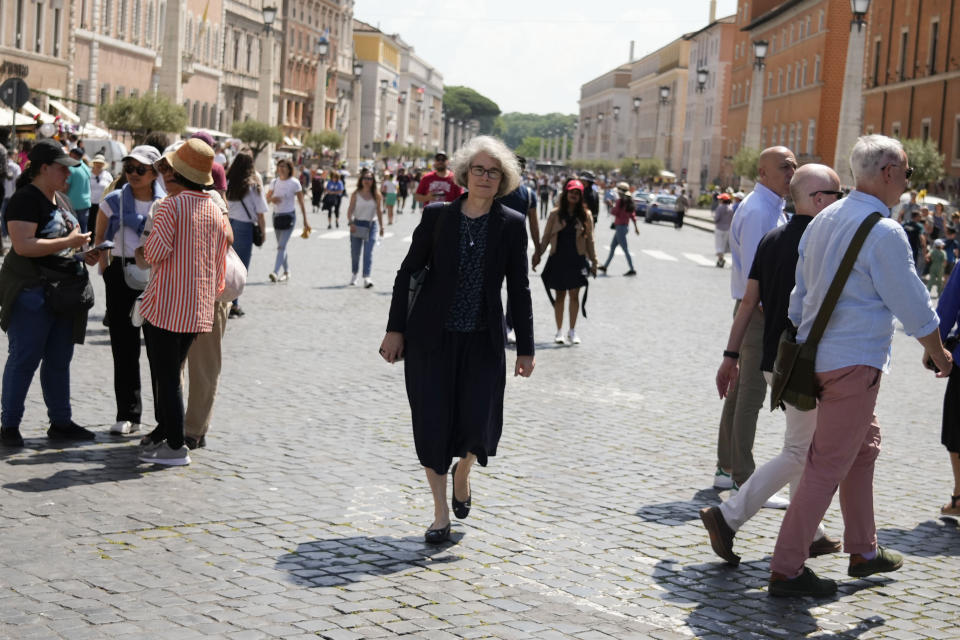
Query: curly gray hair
(496, 149)
(871, 153)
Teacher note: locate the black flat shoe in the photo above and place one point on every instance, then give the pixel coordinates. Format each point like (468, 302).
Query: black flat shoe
(460, 509)
(437, 536)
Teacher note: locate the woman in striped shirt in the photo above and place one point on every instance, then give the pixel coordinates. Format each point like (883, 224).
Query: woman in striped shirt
(187, 251)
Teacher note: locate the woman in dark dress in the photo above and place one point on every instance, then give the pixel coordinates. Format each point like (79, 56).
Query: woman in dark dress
(453, 338)
(569, 235)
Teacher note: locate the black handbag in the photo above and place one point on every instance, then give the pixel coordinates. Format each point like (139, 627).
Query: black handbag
(794, 380)
(282, 222)
(68, 295)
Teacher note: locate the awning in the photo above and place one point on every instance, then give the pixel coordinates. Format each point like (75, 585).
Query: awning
(90, 130)
(668, 174)
(32, 111)
(287, 140)
(6, 116)
(212, 132)
(68, 115)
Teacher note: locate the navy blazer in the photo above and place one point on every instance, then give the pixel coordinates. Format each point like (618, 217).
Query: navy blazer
(506, 257)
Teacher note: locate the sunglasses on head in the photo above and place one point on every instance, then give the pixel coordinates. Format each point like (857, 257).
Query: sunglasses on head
(139, 169)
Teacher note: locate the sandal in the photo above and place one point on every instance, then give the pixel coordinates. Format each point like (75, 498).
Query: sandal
(953, 509)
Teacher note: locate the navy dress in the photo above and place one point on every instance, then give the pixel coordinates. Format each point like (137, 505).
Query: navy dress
(566, 269)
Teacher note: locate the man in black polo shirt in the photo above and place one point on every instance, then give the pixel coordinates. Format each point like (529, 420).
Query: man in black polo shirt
(772, 278)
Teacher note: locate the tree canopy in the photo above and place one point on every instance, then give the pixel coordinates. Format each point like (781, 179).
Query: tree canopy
(465, 104)
(745, 162)
(926, 161)
(143, 114)
(326, 139)
(515, 128)
(257, 134)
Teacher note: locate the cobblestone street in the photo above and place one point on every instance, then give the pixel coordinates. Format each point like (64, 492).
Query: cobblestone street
(304, 516)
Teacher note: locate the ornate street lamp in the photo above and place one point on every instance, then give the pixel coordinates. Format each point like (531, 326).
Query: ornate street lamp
(664, 94)
(636, 103)
(383, 85)
(402, 97)
(759, 53)
(600, 117)
(859, 9)
(269, 16)
(357, 68)
(702, 75)
(321, 47)
(616, 113)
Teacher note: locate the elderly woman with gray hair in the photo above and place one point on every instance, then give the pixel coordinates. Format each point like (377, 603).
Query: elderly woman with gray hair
(452, 339)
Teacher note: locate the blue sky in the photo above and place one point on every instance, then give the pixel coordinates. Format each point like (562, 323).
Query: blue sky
(533, 55)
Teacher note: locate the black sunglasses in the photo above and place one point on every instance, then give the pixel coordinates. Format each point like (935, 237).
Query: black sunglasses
(139, 169)
(906, 172)
(839, 194)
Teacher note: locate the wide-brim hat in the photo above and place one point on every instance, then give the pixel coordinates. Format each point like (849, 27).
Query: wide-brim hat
(623, 186)
(193, 160)
(99, 159)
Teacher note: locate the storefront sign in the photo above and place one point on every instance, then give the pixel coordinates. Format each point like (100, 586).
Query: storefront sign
(16, 69)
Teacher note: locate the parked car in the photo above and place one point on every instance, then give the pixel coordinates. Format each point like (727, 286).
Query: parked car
(663, 207)
(641, 199)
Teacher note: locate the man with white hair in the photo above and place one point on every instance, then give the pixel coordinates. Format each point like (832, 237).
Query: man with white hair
(851, 357)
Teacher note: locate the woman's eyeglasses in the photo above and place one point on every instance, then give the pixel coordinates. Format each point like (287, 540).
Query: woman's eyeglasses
(493, 174)
(139, 169)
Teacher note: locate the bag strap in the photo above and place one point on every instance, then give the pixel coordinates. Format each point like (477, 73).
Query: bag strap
(840, 279)
(245, 207)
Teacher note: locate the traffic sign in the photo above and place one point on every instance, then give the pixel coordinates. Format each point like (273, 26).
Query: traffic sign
(14, 93)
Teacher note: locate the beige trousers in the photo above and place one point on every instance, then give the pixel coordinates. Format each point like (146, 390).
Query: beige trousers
(203, 371)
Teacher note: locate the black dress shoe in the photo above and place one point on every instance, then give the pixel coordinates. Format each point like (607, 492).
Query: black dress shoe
(437, 536)
(460, 509)
(11, 438)
(69, 431)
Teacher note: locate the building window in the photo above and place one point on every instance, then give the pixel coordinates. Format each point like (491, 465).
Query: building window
(895, 130)
(770, 84)
(793, 137)
(925, 129)
(763, 138)
(902, 66)
(773, 44)
(39, 29)
(822, 20)
(57, 18)
(105, 94)
(799, 138)
(796, 76)
(876, 62)
(811, 137)
(119, 93)
(787, 88)
(807, 28)
(18, 27)
(934, 41)
(107, 15)
(803, 81)
(816, 70)
(783, 134)
(122, 19)
(779, 80)
(236, 50)
(83, 14)
(249, 54)
(149, 33)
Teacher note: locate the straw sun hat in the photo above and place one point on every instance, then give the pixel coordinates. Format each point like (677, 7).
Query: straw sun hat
(193, 160)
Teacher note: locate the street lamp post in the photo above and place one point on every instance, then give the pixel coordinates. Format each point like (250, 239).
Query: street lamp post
(320, 95)
(353, 134)
(635, 143)
(383, 115)
(664, 98)
(755, 108)
(265, 96)
(596, 140)
(694, 166)
(851, 100)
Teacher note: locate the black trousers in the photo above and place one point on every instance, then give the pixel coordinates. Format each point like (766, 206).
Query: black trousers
(124, 343)
(167, 351)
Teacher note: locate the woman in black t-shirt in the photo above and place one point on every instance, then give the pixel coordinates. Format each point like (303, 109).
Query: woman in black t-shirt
(45, 236)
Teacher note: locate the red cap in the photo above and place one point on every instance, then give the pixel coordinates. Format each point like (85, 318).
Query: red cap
(723, 196)
(574, 184)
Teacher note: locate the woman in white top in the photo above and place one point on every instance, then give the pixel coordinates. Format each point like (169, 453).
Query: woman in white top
(284, 192)
(246, 208)
(121, 218)
(365, 203)
(389, 191)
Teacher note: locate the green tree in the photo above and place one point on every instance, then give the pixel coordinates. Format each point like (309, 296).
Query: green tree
(514, 128)
(465, 104)
(142, 114)
(257, 134)
(926, 160)
(645, 168)
(325, 139)
(529, 148)
(745, 162)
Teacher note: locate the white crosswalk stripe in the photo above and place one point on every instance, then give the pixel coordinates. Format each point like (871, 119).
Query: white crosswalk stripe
(699, 259)
(660, 255)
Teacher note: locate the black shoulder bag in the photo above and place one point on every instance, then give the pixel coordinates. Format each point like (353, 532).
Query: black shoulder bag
(257, 232)
(793, 372)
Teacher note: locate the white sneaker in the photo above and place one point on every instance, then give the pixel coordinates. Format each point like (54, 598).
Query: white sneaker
(776, 502)
(722, 480)
(367, 283)
(124, 427)
(511, 337)
(285, 276)
(559, 337)
(163, 454)
(572, 337)
(273, 277)
(354, 280)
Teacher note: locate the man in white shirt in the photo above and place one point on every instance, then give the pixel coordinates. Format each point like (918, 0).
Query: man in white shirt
(760, 212)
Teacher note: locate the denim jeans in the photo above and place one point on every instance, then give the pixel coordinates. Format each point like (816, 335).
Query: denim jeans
(620, 239)
(367, 244)
(82, 216)
(242, 242)
(282, 238)
(36, 337)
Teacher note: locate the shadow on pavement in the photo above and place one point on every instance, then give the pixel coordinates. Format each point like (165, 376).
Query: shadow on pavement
(340, 561)
(117, 462)
(680, 512)
(733, 602)
(930, 538)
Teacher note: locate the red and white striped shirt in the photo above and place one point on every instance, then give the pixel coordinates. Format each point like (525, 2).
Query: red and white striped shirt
(187, 251)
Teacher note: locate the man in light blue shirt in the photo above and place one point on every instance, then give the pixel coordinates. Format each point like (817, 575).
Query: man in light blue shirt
(760, 212)
(851, 357)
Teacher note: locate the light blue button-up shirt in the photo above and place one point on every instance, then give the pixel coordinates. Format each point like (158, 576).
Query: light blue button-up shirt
(882, 284)
(760, 211)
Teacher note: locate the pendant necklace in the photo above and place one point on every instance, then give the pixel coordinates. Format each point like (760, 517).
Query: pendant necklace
(469, 235)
